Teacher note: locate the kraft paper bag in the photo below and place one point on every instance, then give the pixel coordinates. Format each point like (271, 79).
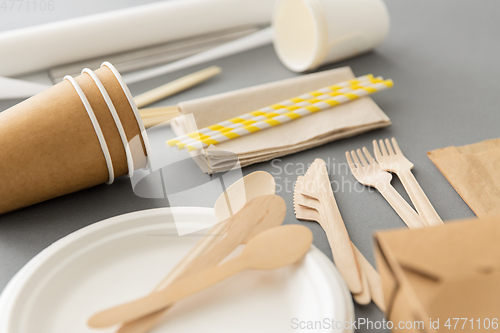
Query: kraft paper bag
(473, 171)
(440, 273)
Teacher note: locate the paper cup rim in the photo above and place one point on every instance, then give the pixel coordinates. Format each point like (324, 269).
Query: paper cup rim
(135, 110)
(96, 126)
(116, 118)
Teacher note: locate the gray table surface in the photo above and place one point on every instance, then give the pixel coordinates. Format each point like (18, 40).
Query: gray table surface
(443, 57)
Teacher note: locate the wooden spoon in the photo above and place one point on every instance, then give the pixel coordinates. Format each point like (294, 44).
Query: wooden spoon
(242, 191)
(274, 248)
(261, 213)
(227, 205)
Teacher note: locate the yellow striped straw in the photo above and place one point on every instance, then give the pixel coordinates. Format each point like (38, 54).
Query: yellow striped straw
(270, 111)
(320, 102)
(276, 110)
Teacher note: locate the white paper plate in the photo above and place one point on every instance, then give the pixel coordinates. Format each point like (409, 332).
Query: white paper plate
(124, 257)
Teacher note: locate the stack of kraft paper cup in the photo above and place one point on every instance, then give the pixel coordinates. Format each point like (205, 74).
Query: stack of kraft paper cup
(82, 132)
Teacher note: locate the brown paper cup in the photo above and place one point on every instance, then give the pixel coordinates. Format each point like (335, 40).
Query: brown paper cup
(48, 145)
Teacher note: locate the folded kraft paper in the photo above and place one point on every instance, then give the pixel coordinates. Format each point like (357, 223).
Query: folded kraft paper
(473, 171)
(432, 276)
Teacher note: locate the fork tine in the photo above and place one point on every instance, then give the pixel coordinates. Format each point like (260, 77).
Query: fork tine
(351, 164)
(396, 146)
(350, 160)
(376, 150)
(389, 147)
(362, 158)
(355, 159)
(368, 156)
(382, 148)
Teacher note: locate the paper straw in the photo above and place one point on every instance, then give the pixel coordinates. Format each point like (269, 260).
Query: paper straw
(297, 113)
(266, 112)
(280, 109)
(271, 112)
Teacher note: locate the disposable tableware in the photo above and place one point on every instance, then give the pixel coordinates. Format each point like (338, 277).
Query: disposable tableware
(391, 158)
(369, 173)
(318, 187)
(227, 205)
(277, 247)
(306, 209)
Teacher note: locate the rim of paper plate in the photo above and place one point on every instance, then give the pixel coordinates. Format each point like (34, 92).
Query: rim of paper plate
(14, 296)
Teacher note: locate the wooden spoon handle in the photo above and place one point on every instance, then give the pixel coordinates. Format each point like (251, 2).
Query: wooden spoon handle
(143, 324)
(204, 255)
(191, 263)
(166, 297)
(212, 249)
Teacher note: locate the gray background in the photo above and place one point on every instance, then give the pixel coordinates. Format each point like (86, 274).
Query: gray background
(443, 57)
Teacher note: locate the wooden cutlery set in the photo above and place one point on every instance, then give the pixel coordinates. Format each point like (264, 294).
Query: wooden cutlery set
(314, 201)
(250, 215)
(257, 216)
(376, 173)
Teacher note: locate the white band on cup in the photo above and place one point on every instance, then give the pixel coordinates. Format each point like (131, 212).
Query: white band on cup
(116, 118)
(97, 128)
(130, 99)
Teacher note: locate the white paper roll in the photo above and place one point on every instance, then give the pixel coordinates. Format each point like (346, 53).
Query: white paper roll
(44, 46)
(12, 88)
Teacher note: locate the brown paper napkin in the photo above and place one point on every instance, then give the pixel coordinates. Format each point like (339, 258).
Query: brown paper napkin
(473, 171)
(339, 122)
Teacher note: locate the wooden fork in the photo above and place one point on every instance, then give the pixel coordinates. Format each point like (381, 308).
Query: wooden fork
(390, 158)
(369, 173)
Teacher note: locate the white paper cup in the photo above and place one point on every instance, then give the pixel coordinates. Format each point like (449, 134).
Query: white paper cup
(311, 33)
